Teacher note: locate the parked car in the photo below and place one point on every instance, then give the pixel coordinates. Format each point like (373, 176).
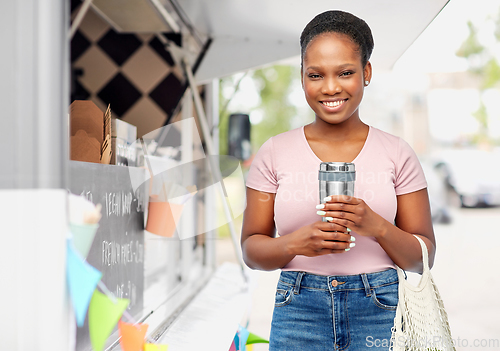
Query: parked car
(436, 187)
(473, 174)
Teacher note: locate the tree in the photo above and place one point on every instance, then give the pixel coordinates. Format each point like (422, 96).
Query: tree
(484, 63)
(275, 83)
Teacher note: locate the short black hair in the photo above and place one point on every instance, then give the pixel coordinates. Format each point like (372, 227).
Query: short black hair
(341, 22)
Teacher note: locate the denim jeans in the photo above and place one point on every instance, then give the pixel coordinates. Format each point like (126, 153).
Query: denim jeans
(353, 312)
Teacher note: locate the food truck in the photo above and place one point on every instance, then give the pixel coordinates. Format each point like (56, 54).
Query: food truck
(146, 74)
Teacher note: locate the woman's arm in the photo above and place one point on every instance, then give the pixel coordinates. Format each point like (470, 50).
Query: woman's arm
(262, 250)
(413, 217)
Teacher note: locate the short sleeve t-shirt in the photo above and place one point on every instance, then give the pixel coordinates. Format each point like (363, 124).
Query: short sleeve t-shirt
(286, 165)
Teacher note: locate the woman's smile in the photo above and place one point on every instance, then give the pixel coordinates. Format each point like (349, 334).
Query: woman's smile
(333, 105)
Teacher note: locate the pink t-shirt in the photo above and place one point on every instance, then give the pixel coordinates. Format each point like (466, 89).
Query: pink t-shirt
(286, 165)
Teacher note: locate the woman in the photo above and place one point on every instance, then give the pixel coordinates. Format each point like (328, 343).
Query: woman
(338, 288)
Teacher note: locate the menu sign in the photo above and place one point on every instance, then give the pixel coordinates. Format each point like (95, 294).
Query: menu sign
(118, 247)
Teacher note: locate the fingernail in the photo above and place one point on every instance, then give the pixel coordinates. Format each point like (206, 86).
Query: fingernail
(329, 218)
(352, 244)
(347, 249)
(353, 238)
(348, 230)
(320, 206)
(328, 198)
(321, 213)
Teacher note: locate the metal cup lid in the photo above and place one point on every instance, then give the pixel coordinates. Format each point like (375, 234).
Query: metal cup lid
(336, 167)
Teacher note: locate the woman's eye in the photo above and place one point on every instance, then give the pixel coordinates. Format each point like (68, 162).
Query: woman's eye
(348, 73)
(314, 76)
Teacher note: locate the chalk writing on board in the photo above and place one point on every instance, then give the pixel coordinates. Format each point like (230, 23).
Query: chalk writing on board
(140, 201)
(114, 253)
(118, 203)
(127, 291)
(87, 195)
(118, 247)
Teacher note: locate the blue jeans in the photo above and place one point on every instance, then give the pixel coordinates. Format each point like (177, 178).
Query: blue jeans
(353, 312)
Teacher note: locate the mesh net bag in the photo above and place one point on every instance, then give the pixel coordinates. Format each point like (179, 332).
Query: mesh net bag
(421, 322)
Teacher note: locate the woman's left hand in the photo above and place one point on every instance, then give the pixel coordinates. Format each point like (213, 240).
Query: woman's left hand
(353, 213)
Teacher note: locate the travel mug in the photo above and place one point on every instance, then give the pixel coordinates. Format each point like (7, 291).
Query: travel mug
(336, 178)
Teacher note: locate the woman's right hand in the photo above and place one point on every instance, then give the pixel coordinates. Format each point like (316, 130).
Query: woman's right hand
(319, 238)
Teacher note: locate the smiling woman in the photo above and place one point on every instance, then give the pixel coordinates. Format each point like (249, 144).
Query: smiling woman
(338, 287)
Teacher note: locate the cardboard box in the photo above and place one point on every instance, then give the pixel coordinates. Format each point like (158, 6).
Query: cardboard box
(84, 147)
(90, 132)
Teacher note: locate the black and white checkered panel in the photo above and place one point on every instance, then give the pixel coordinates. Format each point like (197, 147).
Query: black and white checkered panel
(132, 72)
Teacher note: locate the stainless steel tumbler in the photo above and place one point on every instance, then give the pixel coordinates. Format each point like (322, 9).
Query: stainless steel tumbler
(336, 178)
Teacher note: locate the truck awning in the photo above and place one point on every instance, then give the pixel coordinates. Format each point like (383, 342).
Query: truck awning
(249, 34)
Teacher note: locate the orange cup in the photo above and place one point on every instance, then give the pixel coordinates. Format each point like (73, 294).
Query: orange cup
(162, 217)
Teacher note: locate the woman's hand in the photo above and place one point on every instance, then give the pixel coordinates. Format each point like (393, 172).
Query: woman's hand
(263, 250)
(319, 238)
(353, 213)
(396, 240)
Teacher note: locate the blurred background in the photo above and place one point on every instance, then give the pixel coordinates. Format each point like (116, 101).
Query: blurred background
(443, 97)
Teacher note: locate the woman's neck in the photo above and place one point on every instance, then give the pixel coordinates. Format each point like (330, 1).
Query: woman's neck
(349, 129)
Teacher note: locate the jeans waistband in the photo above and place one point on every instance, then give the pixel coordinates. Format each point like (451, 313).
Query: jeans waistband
(364, 281)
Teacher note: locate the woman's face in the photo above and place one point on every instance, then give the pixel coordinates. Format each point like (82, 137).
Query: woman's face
(333, 77)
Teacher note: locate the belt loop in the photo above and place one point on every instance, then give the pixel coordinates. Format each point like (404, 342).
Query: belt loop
(296, 288)
(366, 284)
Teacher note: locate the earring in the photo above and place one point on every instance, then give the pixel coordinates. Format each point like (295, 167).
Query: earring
(366, 83)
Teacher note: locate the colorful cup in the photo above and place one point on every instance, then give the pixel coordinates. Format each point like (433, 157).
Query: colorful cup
(163, 217)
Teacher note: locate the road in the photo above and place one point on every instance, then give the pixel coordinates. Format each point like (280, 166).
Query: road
(466, 271)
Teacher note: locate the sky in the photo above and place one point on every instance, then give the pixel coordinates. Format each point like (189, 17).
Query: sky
(434, 50)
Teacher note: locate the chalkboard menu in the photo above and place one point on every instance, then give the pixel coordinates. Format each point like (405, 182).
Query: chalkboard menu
(118, 248)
